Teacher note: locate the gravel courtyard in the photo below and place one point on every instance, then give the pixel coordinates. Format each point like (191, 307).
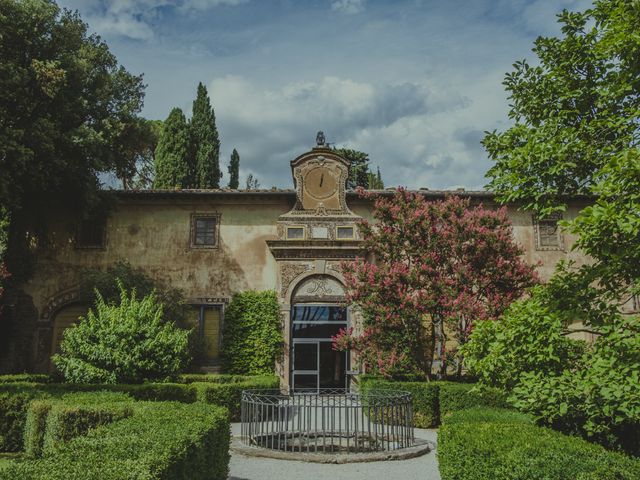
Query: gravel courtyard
(254, 468)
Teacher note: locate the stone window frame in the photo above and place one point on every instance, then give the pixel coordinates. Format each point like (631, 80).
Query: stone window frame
(78, 233)
(536, 226)
(216, 233)
(304, 232)
(353, 232)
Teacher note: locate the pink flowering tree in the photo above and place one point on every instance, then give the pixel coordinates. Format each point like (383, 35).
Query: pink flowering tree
(432, 269)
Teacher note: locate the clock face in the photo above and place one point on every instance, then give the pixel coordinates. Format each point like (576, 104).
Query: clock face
(320, 183)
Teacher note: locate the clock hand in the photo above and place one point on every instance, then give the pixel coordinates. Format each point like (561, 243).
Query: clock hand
(321, 179)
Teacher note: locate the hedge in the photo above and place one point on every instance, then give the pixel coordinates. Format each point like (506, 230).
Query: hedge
(459, 396)
(491, 444)
(252, 337)
(437, 399)
(51, 422)
(230, 394)
(13, 409)
(26, 377)
(423, 394)
(161, 440)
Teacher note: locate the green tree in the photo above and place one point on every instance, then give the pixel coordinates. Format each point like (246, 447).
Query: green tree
(64, 105)
(252, 182)
(206, 145)
(358, 167)
(137, 148)
(172, 153)
(576, 132)
(374, 180)
(129, 342)
(234, 170)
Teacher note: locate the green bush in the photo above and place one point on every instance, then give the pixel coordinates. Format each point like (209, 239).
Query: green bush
(217, 378)
(424, 397)
(125, 343)
(601, 399)
(161, 440)
(13, 412)
(530, 337)
(490, 444)
(252, 338)
(229, 395)
(459, 396)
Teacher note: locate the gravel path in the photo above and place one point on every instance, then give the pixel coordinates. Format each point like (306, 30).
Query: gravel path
(253, 468)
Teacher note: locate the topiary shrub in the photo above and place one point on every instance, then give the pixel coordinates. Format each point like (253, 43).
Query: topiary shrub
(252, 338)
(161, 440)
(13, 413)
(454, 397)
(492, 444)
(125, 343)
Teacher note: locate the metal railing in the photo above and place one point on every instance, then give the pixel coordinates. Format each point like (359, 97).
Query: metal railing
(330, 421)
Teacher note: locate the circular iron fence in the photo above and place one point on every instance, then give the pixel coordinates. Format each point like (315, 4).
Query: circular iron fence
(330, 421)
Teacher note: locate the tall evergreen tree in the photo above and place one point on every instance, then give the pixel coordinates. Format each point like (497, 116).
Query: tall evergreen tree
(206, 145)
(375, 180)
(172, 153)
(358, 169)
(234, 170)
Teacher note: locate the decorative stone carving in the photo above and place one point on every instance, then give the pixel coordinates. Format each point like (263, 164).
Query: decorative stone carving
(57, 301)
(289, 272)
(320, 286)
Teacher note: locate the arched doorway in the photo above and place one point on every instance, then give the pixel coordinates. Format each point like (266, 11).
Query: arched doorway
(318, 312)
(63, 319)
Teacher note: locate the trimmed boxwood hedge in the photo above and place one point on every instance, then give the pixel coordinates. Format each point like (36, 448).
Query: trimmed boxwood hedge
(437, 399)
(230, 394)
(493, 444)
(13, 408)
(161, 440)
(26, 377)
(51, 422)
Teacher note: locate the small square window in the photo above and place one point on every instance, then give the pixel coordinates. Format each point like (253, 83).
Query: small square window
(345, 233)
(204, 231)
(548, 235)
(91, 233)
(296, 233)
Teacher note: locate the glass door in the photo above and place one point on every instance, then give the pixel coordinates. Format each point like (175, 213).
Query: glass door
(315, 365)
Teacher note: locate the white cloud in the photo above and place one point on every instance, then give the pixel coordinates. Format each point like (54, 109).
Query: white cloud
(349, 7)
(416, 137)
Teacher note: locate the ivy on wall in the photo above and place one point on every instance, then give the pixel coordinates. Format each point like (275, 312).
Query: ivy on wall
(252, 337)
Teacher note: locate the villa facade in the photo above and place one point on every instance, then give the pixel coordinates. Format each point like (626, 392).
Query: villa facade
(214, 243)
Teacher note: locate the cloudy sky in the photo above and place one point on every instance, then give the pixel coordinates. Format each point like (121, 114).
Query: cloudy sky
(414, 83)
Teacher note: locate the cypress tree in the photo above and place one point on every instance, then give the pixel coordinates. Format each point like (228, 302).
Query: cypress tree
(172, 153)
(206, 146)
(234, 170)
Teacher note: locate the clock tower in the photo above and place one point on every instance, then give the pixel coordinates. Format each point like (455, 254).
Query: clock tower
(314, 238)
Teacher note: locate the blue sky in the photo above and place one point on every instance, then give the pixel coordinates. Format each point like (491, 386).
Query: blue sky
(414, 83)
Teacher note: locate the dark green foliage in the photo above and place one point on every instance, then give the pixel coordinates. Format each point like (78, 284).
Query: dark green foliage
(234, 170)
(217, 378)
(13, 408)
(35, 427)
(229, 394)
(170, 441)
(358, 167)
(125, 343)
(424, 398)
(106, 282)
(433, 401)
(26, 377)
(69, 103)
(206, 145)
(489, 444)
(173, 154)
(252, 338)
(136, 149)
(454, 397)
(374, 180)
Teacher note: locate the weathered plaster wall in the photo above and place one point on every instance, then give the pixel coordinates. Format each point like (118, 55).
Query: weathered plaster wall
(155, 236)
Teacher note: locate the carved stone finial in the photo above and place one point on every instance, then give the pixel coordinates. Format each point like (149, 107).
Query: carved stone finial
(320, 139)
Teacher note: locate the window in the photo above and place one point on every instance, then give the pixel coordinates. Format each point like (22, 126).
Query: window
(91, 233)
(207, 319)
(295, 233)
(345, 233)
(547, 232)
(204, 230)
